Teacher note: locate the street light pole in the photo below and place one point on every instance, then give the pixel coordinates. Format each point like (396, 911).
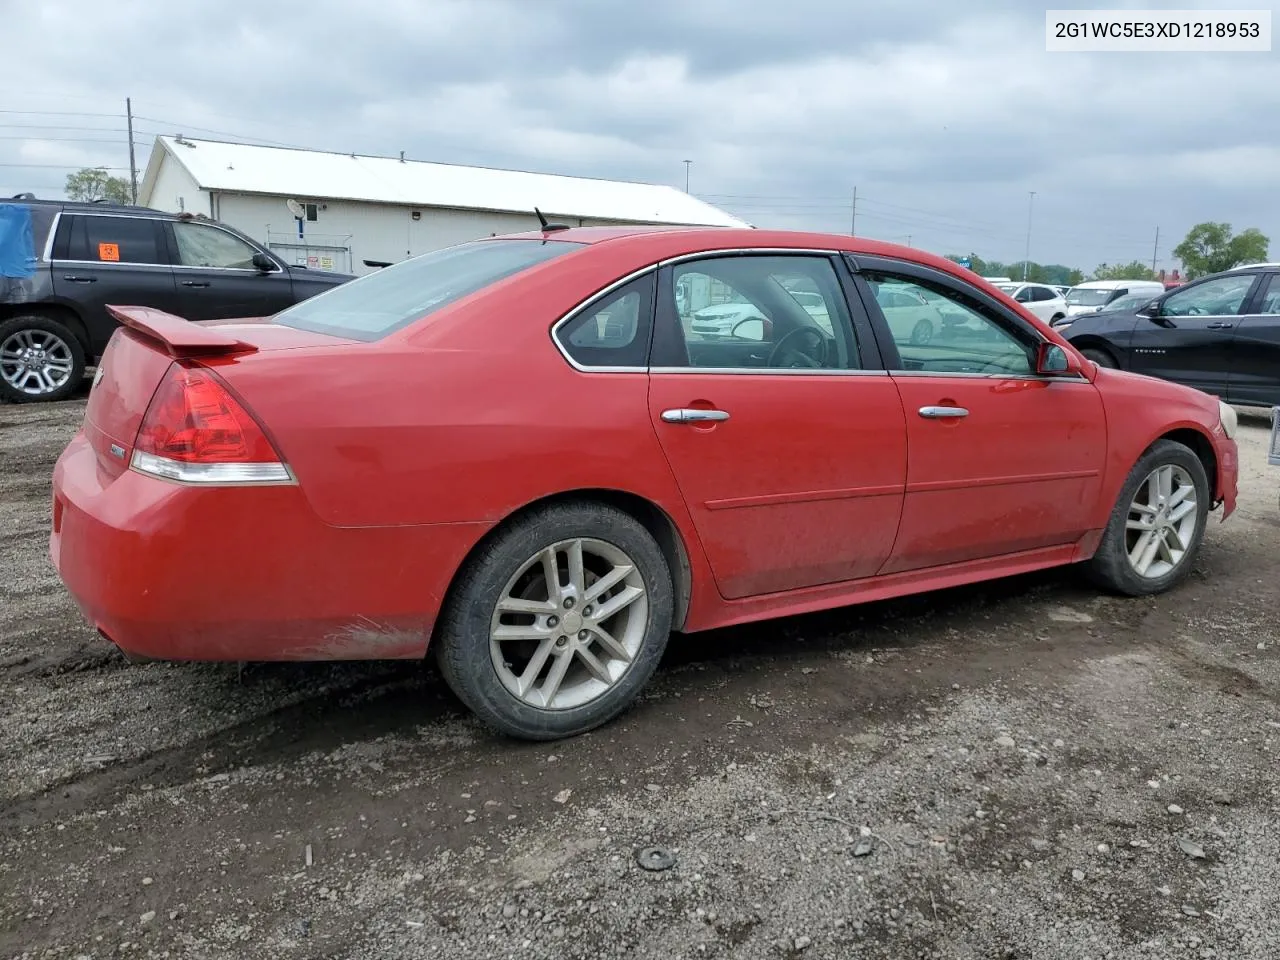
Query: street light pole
(687, 164)
(1026, 260)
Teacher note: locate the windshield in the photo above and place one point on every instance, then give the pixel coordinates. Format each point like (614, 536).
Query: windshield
(1088, 297)
(377, 304)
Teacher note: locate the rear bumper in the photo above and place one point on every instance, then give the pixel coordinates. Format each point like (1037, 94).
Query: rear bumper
(169, 571)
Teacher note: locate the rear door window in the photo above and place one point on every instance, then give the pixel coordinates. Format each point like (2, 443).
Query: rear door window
(103, 239)
(377, 304)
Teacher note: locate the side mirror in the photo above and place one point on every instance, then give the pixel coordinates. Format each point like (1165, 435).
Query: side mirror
(1053, 361)
(262, 263)
(1150, 309)
(753, 328)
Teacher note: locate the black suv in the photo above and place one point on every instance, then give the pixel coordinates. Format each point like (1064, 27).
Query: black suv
(61, 263)
(1220, 334)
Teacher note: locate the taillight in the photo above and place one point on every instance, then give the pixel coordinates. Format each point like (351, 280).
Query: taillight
(196, 431)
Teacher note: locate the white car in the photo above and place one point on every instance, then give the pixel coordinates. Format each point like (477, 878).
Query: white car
(1040, 298)
(1094, 295)
(742, 321)
(911, 318)
(723, 321)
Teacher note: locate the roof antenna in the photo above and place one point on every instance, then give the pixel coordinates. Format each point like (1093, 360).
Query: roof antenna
(549, 227)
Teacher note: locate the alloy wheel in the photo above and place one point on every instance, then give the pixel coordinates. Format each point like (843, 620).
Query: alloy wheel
(35, 362)
(1162, 520)
(569, 624)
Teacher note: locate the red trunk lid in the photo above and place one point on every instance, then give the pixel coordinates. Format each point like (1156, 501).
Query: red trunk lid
(140, 352)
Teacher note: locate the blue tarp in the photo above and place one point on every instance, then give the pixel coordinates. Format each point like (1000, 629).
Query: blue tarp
(17, 241)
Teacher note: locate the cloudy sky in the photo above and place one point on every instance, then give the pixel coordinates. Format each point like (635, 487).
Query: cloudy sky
(943, 115)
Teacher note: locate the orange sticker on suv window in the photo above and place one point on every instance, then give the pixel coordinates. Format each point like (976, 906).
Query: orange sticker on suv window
(108, 251)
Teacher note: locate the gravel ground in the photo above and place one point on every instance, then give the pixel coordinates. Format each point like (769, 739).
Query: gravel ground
(1023, 769)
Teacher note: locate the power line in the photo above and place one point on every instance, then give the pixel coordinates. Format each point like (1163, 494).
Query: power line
(221, 133)
(41, 126)
(61, 113)
(58, 166)
(62, 140)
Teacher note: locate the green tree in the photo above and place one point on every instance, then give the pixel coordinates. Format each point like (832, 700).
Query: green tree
(1055, 273)
(1210, 247)
(1134, 270)
(94, 183)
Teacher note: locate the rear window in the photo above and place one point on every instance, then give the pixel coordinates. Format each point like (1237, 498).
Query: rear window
(378, 304)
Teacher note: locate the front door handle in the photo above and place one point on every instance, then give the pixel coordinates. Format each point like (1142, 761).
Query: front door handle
(75, 279)
(195, 283)
(943, 413)
(1220, 325)
(690, 415)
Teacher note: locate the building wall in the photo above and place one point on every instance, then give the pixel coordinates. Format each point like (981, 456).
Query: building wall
(371, 231)
(175, 191)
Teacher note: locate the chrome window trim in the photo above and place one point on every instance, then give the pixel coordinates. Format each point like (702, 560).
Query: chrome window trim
(748, 251)
(279, 268)
(774, 371)
(761, 371)
(111, 264)
(1079, 378)
(586, 305)
(53, 232)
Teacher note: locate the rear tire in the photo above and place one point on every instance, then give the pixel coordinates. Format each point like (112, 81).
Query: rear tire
(1101, 358)
(563, 669)
(41, 360)
(1152, 539)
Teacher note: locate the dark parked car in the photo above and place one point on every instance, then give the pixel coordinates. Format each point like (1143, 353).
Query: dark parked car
(1220, 334)
(61, 263)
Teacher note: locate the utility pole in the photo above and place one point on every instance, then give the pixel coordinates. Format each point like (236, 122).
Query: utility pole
(133, 166)
(1155, 250)
(1026, 260)
(853, 224)
(687, 165)
(908, 239)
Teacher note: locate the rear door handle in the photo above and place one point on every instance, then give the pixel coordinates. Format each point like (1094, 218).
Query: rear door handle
(943, 413)
(690, 415)
(195, 283)
(1220, 325)
(75, 279)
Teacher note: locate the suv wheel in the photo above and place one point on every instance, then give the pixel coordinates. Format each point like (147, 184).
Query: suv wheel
(40, 360)
(1101, 358)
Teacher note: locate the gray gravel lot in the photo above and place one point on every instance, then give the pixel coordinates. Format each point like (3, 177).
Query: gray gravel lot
(1023, 769)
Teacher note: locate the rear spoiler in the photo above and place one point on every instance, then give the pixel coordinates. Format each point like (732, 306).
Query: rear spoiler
(181, 338)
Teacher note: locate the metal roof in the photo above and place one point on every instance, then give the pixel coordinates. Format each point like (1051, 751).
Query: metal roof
(312, 175)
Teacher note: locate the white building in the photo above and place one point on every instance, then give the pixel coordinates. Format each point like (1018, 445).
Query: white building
(381, 209)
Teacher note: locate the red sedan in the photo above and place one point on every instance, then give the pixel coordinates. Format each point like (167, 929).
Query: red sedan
(524, 452)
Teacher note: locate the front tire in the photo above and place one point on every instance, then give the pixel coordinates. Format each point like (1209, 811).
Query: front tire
(40, 360)
(555, 625)
(922, 332)
(1157, 525)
